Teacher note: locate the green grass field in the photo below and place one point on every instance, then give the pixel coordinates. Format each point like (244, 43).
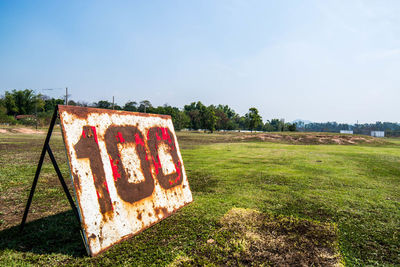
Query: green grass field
(343, 198)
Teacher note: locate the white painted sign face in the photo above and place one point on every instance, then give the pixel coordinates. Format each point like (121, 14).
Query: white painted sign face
(126, 169)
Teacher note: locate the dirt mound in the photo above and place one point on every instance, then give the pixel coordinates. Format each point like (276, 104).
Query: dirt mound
(27, 131)
(248, 237)
(189, 139)
(20, 131)
(312, 138)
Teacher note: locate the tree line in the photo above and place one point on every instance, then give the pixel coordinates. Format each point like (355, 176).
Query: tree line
(195, 116)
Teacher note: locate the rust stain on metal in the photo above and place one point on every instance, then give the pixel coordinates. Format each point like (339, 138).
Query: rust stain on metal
(127, 172)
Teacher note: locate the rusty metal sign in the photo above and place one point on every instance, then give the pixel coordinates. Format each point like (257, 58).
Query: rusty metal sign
(126, 169)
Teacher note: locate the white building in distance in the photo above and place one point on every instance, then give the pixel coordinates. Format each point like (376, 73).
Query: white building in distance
(378, 133)
(346, 132)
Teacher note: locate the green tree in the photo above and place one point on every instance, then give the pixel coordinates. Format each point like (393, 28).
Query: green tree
(222, 120)
(3, 110)
(145, 106)
(194, 112)
(71, 103)
(276, 125)
(268, 127)
(209, 119)
(9, 104)
(51, 103)
(130, 106)
(253, 118)
(22, 102)
(103, 104)
(291, 127)
(225, 118)
(179, 118)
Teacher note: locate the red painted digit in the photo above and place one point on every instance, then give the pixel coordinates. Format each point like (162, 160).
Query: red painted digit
(88, 147)
(157, 136)
(131, 136)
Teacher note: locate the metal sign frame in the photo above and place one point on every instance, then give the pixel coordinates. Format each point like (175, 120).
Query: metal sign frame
(46, 148)
(103, 139)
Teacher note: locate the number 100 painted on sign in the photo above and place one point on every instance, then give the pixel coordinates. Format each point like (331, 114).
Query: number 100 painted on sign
(129, 136)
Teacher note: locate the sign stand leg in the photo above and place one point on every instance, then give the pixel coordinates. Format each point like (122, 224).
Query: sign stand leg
(46, 147)
(60, 177)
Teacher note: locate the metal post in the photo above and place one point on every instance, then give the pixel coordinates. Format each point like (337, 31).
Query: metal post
(113, 103)
(39, 167)
(66, 96)
(36, 120)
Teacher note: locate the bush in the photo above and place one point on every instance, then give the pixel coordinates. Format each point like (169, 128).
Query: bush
(27, 121)
(4, 119)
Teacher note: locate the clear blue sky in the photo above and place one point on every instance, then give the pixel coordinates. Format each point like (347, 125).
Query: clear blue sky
(316, 60)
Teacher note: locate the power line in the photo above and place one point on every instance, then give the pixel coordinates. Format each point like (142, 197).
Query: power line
(20, 89)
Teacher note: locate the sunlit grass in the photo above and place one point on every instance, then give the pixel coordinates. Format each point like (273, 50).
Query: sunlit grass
(356, 188)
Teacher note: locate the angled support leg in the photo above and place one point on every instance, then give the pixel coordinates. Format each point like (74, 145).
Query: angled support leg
(39, 168)
(60, 177)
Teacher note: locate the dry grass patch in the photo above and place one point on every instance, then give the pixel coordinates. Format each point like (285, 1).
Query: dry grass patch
(249, 237)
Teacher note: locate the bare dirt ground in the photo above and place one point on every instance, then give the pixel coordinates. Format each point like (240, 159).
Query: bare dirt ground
(296, 138)
(21, 130)
(314, 138)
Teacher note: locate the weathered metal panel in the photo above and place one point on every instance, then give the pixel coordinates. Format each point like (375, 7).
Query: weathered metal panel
(127, 171)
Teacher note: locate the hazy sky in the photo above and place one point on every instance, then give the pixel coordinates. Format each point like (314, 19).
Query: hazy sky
(316, 60)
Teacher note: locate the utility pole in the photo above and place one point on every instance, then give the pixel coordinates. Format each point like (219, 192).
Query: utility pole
(113, 103)
(36, 119)
(66, 96)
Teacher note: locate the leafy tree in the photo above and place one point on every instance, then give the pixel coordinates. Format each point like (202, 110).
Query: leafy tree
(222, 120)
(209, 119)
(291, 127)
(103, 104)
(3, 109)
(268, 127)
(242, 122)
(71, 103)
(51, 103)
(230, 113)
(225, 118)
(145, 106)
(130, 106)
(276, 125)
(9, 104)
(179, 118)
(117, 107)
(194, 112)
(195, 119)
(23, 102)
(253, 118)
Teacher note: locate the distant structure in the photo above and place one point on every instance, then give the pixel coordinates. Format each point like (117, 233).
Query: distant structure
(20, 117)
(378, 133)
(346, 132)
